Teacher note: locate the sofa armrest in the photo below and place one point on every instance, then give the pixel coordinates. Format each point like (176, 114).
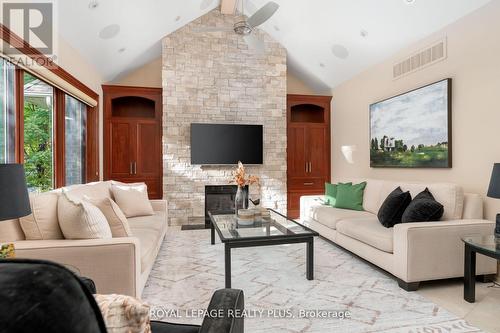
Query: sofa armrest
(113, 264)
(231, 303)
(159, 205)
(434, 250)
(307, 204)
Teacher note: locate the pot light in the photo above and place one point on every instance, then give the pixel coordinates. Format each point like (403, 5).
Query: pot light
(340, 51)
(276, 28)
(409, 2)
(122, 50)
(322, 65)
(363, 33)
(177, 18)
(110, 31)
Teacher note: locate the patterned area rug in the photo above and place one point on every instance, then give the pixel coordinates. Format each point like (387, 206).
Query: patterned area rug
(279, 298)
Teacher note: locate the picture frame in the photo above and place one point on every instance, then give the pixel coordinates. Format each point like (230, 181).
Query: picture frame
(413, 129)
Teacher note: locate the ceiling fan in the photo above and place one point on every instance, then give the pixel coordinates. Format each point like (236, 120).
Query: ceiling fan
(245, 26)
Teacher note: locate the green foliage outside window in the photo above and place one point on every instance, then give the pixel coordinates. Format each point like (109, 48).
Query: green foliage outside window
(38, 146)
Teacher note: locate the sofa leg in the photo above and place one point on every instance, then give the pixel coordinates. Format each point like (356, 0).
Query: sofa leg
(408, 286)
(486, 278)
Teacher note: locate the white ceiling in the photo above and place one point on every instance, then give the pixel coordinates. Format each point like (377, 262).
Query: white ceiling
(307, 28)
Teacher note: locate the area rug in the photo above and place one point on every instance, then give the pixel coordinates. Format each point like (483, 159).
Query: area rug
(347, 294)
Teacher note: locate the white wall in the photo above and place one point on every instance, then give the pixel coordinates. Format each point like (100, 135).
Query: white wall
(473, 64)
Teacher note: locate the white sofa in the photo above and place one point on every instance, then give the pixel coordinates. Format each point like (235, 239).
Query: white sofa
(118, 265)
(413, 252)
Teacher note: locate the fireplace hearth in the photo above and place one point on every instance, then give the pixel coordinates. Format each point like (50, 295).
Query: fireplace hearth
(219, 199)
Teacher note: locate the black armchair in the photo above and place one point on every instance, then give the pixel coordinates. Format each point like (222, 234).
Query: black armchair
(40, 296)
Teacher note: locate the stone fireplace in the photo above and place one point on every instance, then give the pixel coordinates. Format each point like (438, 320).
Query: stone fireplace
(214, 78)
(219, 199)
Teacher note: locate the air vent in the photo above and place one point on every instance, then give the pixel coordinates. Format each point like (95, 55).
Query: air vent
(421, 59)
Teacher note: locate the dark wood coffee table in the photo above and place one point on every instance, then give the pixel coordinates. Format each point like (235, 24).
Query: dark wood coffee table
(278, 230)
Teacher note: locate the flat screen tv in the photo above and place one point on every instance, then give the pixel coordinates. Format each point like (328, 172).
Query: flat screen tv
(226, 144)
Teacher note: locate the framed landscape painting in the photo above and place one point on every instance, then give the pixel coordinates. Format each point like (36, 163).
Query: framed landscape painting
(412, 130)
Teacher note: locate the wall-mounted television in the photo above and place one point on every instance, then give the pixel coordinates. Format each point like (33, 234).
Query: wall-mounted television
(226, 144)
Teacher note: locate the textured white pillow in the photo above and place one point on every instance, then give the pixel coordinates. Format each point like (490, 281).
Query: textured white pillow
(124, 314)
(81, 219)
(116, 219)
(42, 222)
(132, 199)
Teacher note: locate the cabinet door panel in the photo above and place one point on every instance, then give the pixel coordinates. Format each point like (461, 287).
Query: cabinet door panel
(317, 145)
(296, 152)
(148, 156)
(121, 149)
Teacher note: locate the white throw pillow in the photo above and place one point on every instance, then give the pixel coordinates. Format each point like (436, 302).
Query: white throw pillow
(42, 223)
(81, 219)
(124, 314)
(116, 219)
(132, 199)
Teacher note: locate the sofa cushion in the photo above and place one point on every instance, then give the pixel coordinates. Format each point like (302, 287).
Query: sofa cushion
(42, 223)
(392, 209)
(369, 231)
(331, 193)
(330, 216)
(91, 190)
(451, 196)
(132, 199)
(149, 230)
(116, 219)
(423, 208)
(350, 196)
(81, 219)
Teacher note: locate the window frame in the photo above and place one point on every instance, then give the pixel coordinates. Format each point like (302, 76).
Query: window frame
(59, 112)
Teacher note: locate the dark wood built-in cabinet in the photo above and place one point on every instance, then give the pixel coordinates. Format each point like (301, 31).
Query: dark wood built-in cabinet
(132, 136)
(308, 152)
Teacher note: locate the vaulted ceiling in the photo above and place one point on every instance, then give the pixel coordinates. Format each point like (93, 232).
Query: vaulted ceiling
(328, 41)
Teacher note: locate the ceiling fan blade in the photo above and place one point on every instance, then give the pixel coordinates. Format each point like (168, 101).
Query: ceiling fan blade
(212, 29)
(255, 44)
(263, 14)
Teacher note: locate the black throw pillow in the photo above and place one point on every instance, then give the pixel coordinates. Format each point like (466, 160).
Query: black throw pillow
(423, 208)
(392, 209)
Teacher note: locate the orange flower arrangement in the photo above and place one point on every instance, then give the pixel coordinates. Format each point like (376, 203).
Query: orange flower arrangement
(242, 179)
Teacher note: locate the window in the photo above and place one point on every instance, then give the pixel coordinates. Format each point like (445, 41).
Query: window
(75, 140)
(52, 133)
(38, 136)
(7, 113)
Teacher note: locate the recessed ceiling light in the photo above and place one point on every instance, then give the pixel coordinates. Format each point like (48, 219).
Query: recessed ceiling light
(276, 28)
(177, 18)
(93, 4)
(363, 33)
(110, 31)
(409, 2)
(322, 65)
(340, 51)
(122, 50)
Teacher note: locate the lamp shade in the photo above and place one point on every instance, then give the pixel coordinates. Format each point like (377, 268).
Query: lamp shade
(14, 199)
(494, 189)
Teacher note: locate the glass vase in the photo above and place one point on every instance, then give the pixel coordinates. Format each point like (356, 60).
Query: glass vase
(241, 199)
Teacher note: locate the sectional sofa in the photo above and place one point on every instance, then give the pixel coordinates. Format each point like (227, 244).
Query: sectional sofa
(412, 252)
(117, 265)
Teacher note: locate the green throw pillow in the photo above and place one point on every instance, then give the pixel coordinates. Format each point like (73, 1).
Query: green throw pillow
(350, 196)
(331, 193)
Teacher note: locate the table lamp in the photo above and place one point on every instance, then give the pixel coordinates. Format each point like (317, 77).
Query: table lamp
(14, 199)
(494, 192)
